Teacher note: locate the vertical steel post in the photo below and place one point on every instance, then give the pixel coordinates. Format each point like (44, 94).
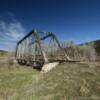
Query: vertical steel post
(36, 34)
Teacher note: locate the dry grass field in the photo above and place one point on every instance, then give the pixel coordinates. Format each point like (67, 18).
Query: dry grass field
(69, 81)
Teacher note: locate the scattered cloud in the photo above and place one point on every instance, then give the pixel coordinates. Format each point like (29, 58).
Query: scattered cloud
(10, 33)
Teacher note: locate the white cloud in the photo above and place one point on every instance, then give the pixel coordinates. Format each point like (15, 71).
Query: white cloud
(10, 33)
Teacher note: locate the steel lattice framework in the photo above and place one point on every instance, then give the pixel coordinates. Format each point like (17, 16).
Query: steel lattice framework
(38, 48)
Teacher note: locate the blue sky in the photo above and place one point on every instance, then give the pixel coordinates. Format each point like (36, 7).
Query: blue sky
(76, 20)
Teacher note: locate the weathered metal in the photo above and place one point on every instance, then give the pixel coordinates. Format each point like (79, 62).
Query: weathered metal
(34, 49)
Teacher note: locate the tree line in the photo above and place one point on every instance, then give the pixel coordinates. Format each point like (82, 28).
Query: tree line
(85, 52)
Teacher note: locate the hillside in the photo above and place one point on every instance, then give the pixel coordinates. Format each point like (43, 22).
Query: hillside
(70, 81)
(96, 45)
(89, 51)
(3, 53)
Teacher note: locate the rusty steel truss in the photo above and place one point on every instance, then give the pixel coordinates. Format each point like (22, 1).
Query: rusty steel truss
(38, 48)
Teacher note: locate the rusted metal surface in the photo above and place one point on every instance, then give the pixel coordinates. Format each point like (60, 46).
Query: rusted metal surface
(38, 48)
